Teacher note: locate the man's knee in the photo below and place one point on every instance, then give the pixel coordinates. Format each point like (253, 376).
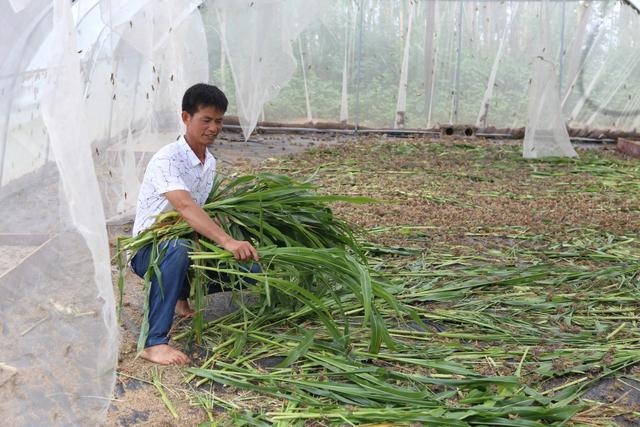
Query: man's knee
(218, 280)
(255, 268)
(177, 251)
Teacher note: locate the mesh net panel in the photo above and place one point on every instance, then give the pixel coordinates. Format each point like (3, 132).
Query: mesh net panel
(467, 63)
(90, 89)
(256, 38)
(148, 57)
(546, 133)
(58, 317)
(90, 92)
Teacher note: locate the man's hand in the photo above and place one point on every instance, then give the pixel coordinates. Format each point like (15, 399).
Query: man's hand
(241, 250)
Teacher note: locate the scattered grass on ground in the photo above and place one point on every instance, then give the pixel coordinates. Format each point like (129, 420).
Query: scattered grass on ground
(524, 278)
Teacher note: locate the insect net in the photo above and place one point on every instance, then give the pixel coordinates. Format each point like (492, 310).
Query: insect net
(436, 63)
(90, 90)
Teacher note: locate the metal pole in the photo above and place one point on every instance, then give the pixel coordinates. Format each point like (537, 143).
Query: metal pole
(561, 58)
(358, 66)
(456, 98)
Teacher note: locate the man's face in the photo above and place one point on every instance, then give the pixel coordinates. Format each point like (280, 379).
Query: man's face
(204, 126)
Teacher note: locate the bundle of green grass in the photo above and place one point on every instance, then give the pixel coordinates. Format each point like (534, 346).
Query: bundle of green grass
(309, 258)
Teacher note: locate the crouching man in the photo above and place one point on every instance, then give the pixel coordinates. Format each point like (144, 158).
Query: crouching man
(180, 177)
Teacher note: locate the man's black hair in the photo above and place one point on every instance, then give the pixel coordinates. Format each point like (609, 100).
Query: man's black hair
(204, 95)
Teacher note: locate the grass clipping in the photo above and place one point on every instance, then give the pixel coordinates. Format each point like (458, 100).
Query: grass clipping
(307, 255)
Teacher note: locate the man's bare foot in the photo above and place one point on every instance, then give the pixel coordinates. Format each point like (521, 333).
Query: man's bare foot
(163, 354)
(183, 310)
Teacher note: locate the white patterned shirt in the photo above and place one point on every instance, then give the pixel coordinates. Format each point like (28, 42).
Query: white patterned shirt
(174, 167)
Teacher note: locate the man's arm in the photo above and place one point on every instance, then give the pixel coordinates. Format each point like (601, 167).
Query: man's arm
(198, 219)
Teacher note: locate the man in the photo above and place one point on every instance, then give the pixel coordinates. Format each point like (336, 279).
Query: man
(180, 177)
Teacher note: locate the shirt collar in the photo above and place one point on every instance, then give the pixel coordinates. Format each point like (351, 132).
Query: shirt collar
(193, 159)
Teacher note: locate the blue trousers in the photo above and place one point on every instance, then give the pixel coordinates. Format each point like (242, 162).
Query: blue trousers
(174, 268)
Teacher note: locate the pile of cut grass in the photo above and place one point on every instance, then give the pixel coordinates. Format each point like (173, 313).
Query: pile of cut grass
(307, 255)
(516, 344)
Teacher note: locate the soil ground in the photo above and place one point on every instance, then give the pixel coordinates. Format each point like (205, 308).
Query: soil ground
(459, 192)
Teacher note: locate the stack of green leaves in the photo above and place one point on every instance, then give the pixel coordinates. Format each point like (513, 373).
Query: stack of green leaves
(306, 253)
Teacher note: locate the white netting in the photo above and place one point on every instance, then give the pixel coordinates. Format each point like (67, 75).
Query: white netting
(90, 89)
(149, 57)
(467, 62)
(58, 316)
(546, 134)
(257, 37)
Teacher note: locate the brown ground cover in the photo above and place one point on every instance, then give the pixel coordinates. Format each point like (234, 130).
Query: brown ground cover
(471, 193)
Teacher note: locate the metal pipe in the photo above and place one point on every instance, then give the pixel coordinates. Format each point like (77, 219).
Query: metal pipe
(342, 131)
(595, 140)
(495, 135)
(575, 139)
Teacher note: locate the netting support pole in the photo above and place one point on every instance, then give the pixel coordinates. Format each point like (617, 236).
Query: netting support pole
(561, 58)
(358, 64)
(456, 97)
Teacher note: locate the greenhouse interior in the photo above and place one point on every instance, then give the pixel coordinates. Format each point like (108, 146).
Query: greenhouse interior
(443, 197)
